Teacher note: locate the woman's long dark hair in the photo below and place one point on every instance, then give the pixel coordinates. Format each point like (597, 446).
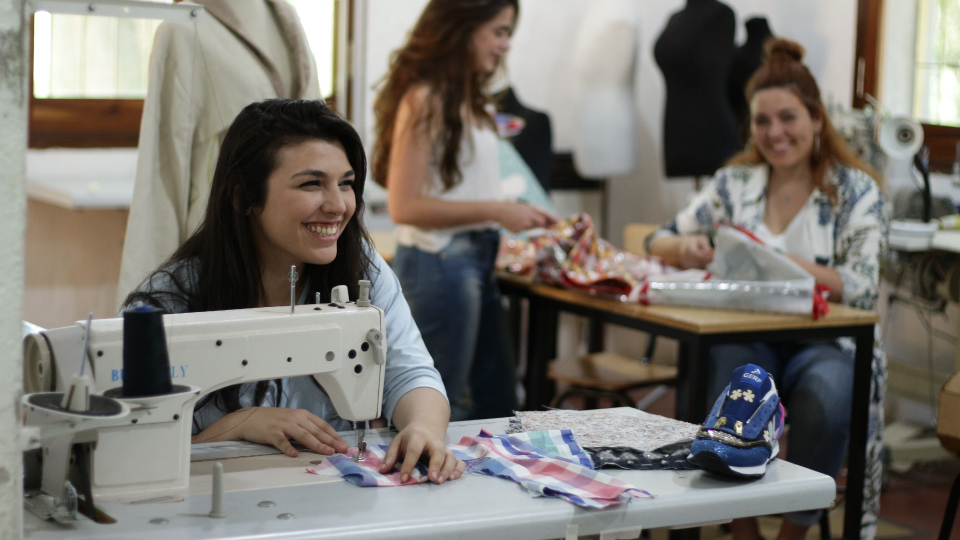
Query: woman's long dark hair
(438, 54)
(219, 267)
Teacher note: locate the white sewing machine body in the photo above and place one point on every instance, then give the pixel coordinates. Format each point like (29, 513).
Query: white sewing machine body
(147, 454)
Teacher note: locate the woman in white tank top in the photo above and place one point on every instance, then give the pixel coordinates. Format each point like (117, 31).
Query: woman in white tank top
(437, 155)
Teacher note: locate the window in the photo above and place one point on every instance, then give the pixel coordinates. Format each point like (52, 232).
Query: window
(91, 57)
(917, 44)
(937, 80)
(90, 74)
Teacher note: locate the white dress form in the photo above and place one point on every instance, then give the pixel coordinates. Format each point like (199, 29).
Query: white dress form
(605, 138)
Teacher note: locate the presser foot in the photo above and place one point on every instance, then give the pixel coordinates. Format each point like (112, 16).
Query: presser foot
(361, 444)
(48, 508)
(361, 449)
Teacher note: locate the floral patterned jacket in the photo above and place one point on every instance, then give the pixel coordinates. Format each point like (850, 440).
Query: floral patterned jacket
(848, 236)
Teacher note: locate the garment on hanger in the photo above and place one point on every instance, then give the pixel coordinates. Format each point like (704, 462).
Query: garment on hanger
(202, 74)
(746, 61)
(694, 52)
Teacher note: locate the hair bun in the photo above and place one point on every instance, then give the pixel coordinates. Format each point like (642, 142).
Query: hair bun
(784, 49)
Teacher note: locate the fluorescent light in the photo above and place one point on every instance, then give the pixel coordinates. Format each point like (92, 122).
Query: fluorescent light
(131, 9)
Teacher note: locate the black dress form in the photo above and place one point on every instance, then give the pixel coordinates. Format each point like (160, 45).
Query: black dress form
(747, 60)
(694, 53)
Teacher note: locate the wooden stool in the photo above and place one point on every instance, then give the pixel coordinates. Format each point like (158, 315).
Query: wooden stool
(607, 375)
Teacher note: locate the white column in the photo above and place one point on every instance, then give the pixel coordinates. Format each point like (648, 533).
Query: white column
(13, 146)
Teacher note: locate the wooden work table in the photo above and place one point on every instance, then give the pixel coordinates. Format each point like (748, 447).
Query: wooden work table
(697, 330)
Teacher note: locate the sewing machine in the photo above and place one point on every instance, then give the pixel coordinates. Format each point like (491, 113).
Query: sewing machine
(139, 448)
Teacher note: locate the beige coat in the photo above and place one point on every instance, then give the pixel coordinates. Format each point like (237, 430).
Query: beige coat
(201, 75)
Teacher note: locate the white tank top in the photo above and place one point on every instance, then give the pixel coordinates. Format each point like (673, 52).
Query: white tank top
(480, 166)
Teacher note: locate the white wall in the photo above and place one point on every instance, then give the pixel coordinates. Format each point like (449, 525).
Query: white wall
(539, 61)
(538, 69)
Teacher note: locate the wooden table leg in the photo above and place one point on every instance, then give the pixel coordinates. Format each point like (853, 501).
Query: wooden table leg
(859, 428)
(541, 348)
(693, 369)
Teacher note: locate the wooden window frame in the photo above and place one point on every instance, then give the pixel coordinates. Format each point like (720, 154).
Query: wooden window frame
(942, 140)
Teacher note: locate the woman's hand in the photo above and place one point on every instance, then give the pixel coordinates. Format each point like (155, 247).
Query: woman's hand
(518, 216)
(422, 415)
(414, 443)
(276, 426)
(695, 251)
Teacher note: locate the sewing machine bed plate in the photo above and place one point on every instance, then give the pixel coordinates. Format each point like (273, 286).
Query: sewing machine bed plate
(472, 507)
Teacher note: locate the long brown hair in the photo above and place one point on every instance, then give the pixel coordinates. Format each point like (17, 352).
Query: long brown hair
(438, 55)
(782, 68)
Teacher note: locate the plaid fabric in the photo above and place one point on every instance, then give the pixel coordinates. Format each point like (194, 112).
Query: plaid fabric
(540, 473)
(558, 443)
(366, 473)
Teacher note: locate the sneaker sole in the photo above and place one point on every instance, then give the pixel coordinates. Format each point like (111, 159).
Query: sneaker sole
(709, 461)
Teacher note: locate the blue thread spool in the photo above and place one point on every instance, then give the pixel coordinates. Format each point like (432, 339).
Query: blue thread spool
(146, 364)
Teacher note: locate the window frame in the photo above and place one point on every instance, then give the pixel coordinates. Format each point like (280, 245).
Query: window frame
(942, 140)
(107, 123)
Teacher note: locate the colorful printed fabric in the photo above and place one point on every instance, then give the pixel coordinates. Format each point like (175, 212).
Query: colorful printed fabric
(542, 474)
(366, 473)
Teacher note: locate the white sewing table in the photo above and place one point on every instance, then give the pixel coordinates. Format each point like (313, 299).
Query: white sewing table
(471, 507)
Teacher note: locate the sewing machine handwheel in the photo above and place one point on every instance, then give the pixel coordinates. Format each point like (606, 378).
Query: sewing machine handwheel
(37, 365)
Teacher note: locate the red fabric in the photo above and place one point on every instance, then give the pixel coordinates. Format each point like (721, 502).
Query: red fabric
(820, 305)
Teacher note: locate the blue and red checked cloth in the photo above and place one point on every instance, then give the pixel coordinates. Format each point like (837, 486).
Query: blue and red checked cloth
(544, 463)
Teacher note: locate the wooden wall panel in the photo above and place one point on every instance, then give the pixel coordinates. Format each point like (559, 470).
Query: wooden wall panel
(72, 263)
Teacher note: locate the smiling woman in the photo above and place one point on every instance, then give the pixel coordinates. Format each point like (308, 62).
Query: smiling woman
(288, 190)
(437, 155)
(801, 190)
(309, 202)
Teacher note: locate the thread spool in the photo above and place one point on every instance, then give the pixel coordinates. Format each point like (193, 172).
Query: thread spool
(146, 364)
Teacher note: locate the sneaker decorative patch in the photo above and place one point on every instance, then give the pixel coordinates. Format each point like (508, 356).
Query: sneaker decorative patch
(748, 396)
(735, 395)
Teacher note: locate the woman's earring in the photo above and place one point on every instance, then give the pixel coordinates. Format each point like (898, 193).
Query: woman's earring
(816, 147)
(749, 145)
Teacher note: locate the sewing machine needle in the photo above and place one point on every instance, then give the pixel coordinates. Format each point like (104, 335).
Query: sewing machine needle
(361, 444)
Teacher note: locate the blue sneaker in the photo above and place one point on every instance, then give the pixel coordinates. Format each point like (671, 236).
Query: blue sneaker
(740, 435)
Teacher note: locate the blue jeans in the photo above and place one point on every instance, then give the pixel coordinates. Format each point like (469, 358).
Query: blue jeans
(815, 382)
(455, 301)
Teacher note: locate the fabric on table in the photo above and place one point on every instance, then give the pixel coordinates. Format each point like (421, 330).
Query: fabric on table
(540, 473)
(366, 473)
(672, 457)
(558, 443)
(608, 428)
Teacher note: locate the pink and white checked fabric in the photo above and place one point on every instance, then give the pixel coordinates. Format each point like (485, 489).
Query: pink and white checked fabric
(540, 473)
(366, 473)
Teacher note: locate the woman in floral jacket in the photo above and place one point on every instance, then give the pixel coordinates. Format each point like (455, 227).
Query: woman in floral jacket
(800, 189)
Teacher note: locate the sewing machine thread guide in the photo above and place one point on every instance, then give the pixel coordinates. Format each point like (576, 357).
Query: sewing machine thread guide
(86, 342)
(293, 276)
